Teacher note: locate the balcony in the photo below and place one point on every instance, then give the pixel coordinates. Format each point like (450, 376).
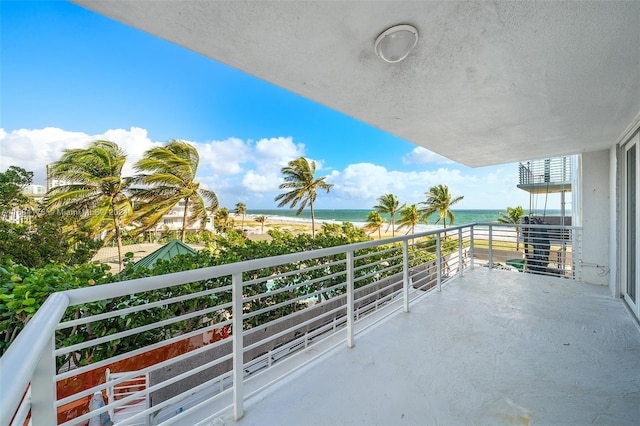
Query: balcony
(546, 176)
(440, 327)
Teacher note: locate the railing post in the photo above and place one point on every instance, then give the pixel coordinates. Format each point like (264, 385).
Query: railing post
(490, 246)
(460, 258)
(439, 260)
(471, 255)
(405, 275)
(43, 387)
(350, 299)
(238, 347)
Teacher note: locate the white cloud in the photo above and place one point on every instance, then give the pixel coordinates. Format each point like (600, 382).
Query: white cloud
(277, 151)
(256, 182)
(421, 155)
(33, 149)
(224, 157)
(366, 182)
(249, 171)
(268, 156)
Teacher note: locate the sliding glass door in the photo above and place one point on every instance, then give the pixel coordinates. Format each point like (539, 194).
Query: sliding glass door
(629, 268)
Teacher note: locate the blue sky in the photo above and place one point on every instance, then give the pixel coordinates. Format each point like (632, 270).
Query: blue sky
(70, 76)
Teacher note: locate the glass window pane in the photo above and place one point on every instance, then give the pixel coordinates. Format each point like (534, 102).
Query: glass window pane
(631, 223)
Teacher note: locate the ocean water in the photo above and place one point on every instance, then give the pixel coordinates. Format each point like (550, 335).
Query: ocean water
(359, 216)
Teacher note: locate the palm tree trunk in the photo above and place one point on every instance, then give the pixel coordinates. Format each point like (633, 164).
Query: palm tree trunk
(313, 222)
(116, 229)
(393, 228)
(184, 219)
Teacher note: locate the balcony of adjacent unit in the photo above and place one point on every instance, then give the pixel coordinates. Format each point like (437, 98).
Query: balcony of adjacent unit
(545, 176)
(468, 325)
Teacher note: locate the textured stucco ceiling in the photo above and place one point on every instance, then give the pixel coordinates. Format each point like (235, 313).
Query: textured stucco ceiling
(488, 82)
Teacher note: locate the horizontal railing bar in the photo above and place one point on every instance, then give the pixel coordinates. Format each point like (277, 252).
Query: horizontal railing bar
(374, 273)
(297, 298)
(177, 398)
(107, 315)
(167, 342)
(288, 330)
(387, 259)
(378, 262)
(292, 272)
(133, 331)
(290, 301)
(147, 370)
(395, 248)
(376, 292)
(292, 287)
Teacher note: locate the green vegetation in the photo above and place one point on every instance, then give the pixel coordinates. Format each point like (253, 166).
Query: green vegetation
(299, 178)
(410, 217)
(512, 215)
(23, 289)
(261, 220)
(11, 196)
(95, 191)
(374, 223)
(241, 210)
(168, 176)
(389, 204)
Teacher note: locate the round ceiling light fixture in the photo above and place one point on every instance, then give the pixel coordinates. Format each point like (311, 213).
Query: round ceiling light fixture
(395, 43)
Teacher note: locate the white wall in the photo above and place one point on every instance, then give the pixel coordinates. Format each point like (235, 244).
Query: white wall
(614, 224)
(595, 214)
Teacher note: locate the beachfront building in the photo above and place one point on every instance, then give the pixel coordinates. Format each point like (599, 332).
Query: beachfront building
(23, 214)
(481, 83)
(172, 221)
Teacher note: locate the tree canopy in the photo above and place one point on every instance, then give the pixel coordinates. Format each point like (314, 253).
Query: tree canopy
(12, 183)
(439, 200)
(299, 179)
(94, 191)
(410, 217)
(389, 204)
(167, 175)
(374, 223)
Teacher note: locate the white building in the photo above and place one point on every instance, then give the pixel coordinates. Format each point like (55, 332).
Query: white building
(51, 181)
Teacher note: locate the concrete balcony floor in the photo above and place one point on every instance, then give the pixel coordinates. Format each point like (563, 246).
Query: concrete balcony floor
(494, 347)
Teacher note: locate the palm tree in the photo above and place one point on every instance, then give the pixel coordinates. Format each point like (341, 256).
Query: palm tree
(389, 204)
(439, 200)
(299, 177)
(374, 223)
(410, 217)
(241, 209)
(168, 174)
(95, 190)
(222, 217)
(261, 220)
(512, 215)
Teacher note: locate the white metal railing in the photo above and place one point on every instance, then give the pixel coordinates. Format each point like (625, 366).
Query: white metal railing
(548, 170)
(271, 308)
(542, 249)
